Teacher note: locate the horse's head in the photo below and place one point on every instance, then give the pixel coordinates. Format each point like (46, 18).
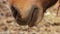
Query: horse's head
(30, 11)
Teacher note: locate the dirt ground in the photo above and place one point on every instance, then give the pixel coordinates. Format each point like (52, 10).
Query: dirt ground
(49, 25)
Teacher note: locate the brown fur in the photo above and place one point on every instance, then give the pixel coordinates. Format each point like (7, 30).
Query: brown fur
(31, 11)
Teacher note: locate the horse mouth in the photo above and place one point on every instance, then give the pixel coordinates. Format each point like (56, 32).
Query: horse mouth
(31, 18)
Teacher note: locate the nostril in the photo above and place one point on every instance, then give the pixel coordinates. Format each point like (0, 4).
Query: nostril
(14, 11)
(35, 10)
(17, 16)
(33, 17)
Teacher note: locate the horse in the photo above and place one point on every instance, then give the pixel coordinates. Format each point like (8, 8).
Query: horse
(30, 12)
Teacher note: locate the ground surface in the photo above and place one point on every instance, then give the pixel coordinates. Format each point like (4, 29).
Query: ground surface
(49, 25)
